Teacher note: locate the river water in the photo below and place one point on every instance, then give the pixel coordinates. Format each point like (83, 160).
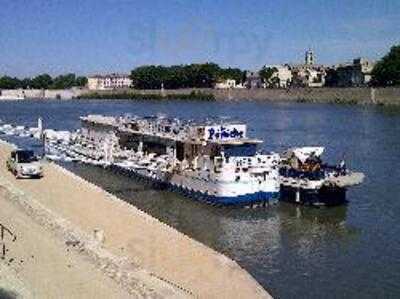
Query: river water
(351, 251)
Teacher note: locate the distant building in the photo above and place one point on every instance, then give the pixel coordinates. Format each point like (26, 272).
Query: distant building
(253, 80)
(311, 74)
(308, 74)
(356, 74)
(110, 81)
(309, 57)
(226, 84)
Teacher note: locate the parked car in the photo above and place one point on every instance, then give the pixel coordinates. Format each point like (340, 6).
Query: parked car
(24, 164)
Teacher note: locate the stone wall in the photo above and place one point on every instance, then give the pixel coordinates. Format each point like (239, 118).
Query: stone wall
(18, 93)
(66, 94)
(63, 94)
(387, 96)
(355, 95)
(313, 95)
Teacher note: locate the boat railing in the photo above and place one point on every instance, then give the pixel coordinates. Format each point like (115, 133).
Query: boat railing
(298, 174)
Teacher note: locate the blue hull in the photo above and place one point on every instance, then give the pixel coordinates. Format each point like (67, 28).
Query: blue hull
(241, 200)
(259, 197)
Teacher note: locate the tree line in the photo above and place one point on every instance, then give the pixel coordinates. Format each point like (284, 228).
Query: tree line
(183, 76)
(43, 81)
(387, 71)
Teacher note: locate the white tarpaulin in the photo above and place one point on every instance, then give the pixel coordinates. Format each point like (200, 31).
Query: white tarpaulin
(57, 135)
(303, 153)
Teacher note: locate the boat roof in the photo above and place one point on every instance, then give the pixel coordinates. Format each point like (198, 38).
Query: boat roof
(237, 141)
(179, 130)
(100, 119)
(113, 120)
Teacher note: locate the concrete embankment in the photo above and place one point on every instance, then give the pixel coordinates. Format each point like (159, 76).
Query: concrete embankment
(39, 265)
(374, 96)
(142, 255)
(62, 94)
(364, 95)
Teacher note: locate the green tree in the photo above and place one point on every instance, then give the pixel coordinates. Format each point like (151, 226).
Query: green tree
(63, 82)
(43, 81)
(26, 83)
(7, 82)
(176, 76)
(148, 77)
(266, 74)
(207, 75)
(387, 71)
(81, 81)
(233, 73)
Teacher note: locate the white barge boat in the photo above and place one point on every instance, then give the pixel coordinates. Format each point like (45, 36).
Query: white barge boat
(213, 161)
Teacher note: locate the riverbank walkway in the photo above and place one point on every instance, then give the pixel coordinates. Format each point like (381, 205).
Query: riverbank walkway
(129, 246)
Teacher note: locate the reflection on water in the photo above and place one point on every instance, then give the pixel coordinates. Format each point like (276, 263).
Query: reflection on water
(255, 238)
(293, 251)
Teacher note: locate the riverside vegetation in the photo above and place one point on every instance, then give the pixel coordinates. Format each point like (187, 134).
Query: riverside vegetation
(43, 81)
(183, 76)
(156, 77)
(128, 95)
(387, 70)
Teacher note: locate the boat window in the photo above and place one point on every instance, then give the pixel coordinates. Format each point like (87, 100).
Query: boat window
(218, 162)
(179, 151)
(242, 150)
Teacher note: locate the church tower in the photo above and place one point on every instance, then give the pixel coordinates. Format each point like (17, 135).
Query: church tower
(309, 57)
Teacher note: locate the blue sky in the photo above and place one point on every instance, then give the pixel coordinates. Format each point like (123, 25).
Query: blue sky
(87, 36)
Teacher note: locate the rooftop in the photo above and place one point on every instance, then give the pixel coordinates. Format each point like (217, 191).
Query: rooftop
(113, 75)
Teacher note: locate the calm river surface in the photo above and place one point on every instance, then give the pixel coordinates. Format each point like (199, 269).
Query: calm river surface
(351, 251)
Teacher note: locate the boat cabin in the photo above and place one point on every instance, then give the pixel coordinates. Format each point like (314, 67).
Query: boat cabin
(184, 140)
